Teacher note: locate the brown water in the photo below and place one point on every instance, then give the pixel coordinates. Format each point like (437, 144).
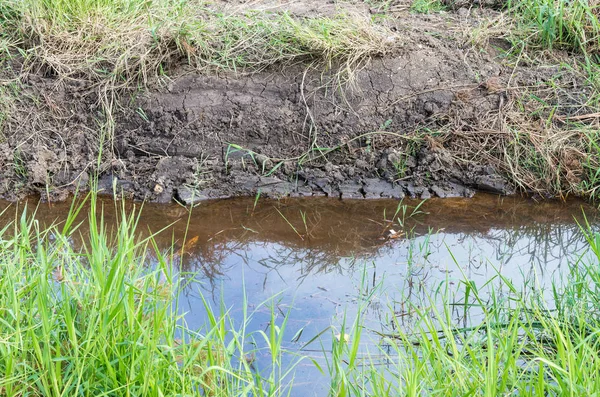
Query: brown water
(317, 254)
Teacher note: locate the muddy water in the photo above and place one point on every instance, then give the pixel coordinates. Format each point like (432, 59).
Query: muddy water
(317, 255)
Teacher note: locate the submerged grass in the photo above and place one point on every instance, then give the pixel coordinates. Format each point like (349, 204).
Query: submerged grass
(517, 340)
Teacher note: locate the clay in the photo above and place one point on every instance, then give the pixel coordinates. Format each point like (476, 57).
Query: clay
(278, 132)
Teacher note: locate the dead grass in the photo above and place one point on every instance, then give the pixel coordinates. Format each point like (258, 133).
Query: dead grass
(537, 146)
(129, 48)
(545, 138)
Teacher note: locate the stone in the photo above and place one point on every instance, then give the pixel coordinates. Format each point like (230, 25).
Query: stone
(189, 196)
(493, 184)
(351, 190)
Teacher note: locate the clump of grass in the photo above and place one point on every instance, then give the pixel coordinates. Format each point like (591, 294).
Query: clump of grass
(572, 24)
(427, 6)
(535, 147)
(511, 339)
(98, 321)
(257, 39)
(92, 322)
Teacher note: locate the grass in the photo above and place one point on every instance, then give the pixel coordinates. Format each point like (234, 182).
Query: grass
(97, 321)
(535, 156)
(130, 41)
(518, 340)
(91, 323)
(559, 23)
(427, 6)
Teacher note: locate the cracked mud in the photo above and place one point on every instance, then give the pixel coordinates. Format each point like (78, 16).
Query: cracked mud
(284, 131)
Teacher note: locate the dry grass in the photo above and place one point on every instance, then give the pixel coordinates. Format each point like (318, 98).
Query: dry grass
(103, 44)
(545, 138)
(537, 146)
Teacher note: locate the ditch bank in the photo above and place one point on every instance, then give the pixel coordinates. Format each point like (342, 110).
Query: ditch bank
(430, 116)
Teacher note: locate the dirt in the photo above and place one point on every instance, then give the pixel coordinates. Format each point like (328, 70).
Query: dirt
(284, 131)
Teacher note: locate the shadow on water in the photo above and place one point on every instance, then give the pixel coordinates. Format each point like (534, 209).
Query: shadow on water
(315, 254)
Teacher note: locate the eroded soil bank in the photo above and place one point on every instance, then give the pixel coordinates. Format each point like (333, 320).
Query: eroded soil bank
(412, 121)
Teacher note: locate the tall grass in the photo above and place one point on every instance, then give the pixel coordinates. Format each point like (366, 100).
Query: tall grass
(572, 24)
(488, 340)
(100, 322)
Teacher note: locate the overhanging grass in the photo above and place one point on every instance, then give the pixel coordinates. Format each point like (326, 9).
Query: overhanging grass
(111, 47)
(128, 41)
(548, 158)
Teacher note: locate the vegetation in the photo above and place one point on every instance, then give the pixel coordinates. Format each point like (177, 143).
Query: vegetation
(96, 322)
(559, 23)
(544, 140)
(427, 6)
(128, 41)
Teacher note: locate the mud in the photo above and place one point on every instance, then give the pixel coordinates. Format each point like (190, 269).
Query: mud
(285, 131)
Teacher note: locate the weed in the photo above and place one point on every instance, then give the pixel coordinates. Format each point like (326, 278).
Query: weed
(19, 165)
(427, 6)
(563, 23)
(104, 320)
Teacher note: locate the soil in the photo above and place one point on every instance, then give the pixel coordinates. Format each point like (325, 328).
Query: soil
(289, 130)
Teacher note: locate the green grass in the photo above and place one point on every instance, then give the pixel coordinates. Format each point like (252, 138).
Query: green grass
(95, 321)
(569, 24)
(427, 6)
(519, 340)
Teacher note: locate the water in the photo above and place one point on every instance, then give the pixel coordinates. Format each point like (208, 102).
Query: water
(320, 257)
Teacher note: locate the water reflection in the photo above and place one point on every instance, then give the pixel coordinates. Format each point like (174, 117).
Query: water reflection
(321, 235)
(319, 256)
